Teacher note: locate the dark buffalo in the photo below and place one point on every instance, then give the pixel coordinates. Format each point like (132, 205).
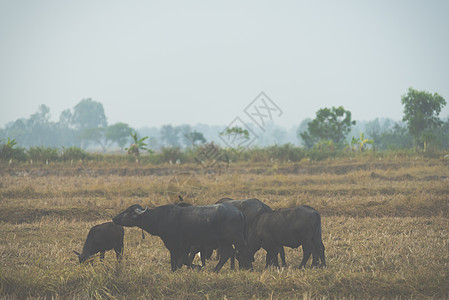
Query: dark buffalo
(101, 238)
(205, 252)
(180, 228)
(252, 208)
(291, 227)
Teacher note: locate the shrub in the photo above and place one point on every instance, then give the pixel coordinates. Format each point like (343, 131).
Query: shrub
(8, 151)
(171, 154)
(73, 153)
(43, 154)
(286, 152)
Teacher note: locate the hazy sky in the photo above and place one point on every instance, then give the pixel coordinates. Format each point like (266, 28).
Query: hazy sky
(157, 62)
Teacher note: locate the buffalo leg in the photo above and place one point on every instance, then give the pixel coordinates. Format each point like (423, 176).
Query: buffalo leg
(184, 259)
(268, 260)
(175, 261)
(219, 252)
(233, 260)
(118, 253)
(318, 254)
(315, 258)
(307, 251)
(321, 254)
(178, 259)
(323, 259)
(226, 252)
(193, 252)
(282, 255)
(102, 255)
(206, 253)
(272, 258)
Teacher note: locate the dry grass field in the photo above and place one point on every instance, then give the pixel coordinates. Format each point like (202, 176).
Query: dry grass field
(385, 227)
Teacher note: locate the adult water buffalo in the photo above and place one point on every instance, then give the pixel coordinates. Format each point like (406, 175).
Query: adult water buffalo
(252, 208)
(289, 227)
(205, 252)
(180, 228)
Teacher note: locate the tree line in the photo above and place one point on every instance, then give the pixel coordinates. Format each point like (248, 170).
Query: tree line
(86, 127)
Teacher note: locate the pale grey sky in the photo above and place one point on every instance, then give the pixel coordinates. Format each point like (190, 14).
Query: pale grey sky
(158, 62)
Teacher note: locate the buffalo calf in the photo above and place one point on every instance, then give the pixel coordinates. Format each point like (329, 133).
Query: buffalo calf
(101, 238)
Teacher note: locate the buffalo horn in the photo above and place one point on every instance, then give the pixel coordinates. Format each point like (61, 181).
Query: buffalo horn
(139, 211)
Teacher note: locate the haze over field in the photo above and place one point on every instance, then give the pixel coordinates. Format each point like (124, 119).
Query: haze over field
(160, 62)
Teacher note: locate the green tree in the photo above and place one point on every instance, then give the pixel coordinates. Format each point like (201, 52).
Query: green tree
(136, 146)
(88, 114)
(397, 137)
(361, 142)
(236, 137)
(443, 135)
(236, 132)
(330, 124)
(119, 133)
(421, 110)
(376, 128)
(191, 138)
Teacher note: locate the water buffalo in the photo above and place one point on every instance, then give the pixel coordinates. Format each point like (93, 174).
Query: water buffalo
(289, 227)
(180, 228)
(101, 238)
(205, 252)
(252, 208)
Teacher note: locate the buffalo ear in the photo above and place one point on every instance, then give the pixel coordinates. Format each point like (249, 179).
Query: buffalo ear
(77, 253)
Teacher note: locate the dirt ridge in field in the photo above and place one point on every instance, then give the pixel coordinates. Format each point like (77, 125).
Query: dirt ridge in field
(290, 168)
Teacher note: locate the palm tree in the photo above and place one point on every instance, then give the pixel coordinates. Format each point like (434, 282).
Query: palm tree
(138, 145)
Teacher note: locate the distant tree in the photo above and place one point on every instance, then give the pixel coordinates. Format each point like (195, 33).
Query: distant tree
(95, 135)
(191, 138)
(236, 136)
(66, 119)
(421, 110)
(303, 136)
(41, 117)
(88, 114)
(153, 143)
(443, 134)
(119, 133)
(40, 128)
(18, 130)
(105, 136)
(376, 128)
(397, 137)
(330, 124)
(170, 135)
(68, 135)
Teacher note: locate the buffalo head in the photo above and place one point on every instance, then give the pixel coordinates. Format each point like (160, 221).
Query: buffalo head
(132, 216)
